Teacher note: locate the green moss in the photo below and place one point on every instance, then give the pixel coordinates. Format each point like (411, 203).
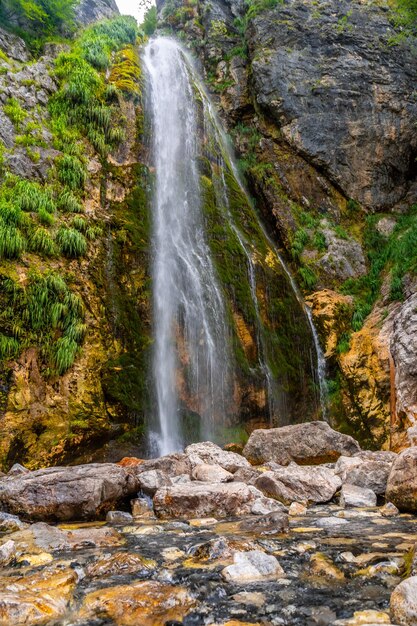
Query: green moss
(125, 279)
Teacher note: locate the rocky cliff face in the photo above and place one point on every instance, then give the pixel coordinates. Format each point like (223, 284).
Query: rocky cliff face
(88, 11)
(50, 413)
(320, 101)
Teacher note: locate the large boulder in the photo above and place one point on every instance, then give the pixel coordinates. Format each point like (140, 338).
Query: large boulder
(198, 499)
(206, 473)
(404, 603)
(296, 483)
(67, 493)
(402, 481)
(212, 454)
(311, 443)
(369, 470)
(171, 465)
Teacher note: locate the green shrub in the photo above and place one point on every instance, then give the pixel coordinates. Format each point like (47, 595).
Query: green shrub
(63, 354)
(96, 50)
(360, 313)
(71, 242)
(319, 241)
(396, 288)
(300, 240)
(92, 232)
(32, 197)
(307, 277)
(258, 6)
(45, 218)
(150, 21)
(79, 223)
(343, 344)
(10, 214)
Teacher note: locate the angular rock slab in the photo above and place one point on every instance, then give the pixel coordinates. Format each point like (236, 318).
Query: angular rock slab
(197, 499)
(311, 443)
(354, 496)
(296, 483)
(402, 481)
(404, 603)
(67, 493)
(206, 473)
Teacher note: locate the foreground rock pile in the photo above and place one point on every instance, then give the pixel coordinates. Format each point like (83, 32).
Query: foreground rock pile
(302, 542)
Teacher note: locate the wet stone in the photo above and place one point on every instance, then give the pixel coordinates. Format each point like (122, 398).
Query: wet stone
(252, 566)
(119, 518)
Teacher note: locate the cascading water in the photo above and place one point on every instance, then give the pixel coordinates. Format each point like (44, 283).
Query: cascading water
(186, 291)
(202, 217)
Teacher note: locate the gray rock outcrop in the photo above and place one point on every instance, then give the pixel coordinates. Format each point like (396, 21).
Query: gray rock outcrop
(339, 93)
(306, 444)
(296, 483)
(88, 11)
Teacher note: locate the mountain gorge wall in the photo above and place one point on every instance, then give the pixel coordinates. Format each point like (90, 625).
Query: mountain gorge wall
(320, 101)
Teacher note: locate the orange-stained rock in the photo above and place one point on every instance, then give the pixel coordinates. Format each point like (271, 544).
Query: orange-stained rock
(35, 599)
(146, 603)
(130, 461)
(332, 314)
(366, 369)
(234, 447)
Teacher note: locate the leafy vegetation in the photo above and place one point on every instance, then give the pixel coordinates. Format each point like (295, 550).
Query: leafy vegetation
(14, 112)
(150, 21)
(38, 19)
(396, 255)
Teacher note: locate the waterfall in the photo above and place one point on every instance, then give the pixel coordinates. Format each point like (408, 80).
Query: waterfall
(194, 357)
(186, 291)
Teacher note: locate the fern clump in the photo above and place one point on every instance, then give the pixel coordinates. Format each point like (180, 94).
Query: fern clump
(45, 313)
(41, 241)
(69, 203)
(71, 242)
(9, 347)
(71, 172)
(12, 242)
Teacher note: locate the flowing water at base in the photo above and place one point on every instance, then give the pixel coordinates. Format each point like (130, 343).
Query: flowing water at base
(164, 573)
